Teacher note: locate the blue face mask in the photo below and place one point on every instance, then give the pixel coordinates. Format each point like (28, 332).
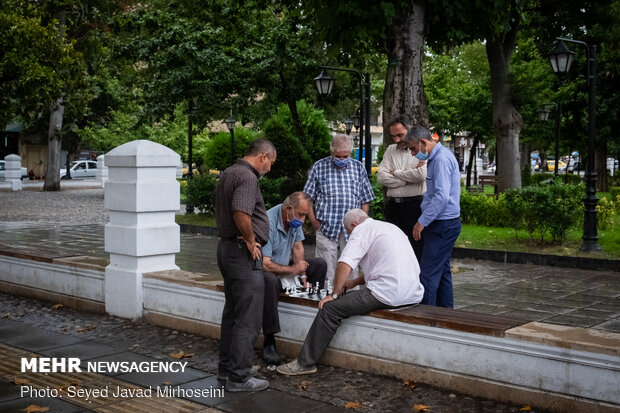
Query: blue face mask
(421, 156)
(341, 163)
(295, 222)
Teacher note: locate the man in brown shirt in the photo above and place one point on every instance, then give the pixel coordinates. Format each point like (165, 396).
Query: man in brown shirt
(243, 228)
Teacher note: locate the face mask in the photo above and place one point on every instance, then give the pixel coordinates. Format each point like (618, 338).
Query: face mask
(295, 222)
(421, 156)
(341, 163)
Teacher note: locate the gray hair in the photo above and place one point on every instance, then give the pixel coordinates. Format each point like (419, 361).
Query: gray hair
(295, 198)
(260, 146)
(341, 143)
(355, 215)
(415, 133)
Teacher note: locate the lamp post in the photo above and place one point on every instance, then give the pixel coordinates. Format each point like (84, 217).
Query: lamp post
(356, 140)
(230, 124)
(561, 59)
(543, 114)
(348, 124)
(325, 83)
(191, 107)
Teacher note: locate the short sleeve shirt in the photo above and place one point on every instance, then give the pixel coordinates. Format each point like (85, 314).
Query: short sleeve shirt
(238, 190)
(280, 242)
(336, 191)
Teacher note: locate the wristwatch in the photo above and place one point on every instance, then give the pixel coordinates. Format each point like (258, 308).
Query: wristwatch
(334, 296)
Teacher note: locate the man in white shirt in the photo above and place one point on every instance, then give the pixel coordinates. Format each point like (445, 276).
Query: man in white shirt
(391, 274)
(404, 176)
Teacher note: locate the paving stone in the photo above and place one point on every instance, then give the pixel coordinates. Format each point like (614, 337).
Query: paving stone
(211, 382)
(37, 341)
(54, 405)
(8, 390)
(266, 400)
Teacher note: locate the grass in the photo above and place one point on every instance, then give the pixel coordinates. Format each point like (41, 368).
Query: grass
(503, 239)
(204, 220)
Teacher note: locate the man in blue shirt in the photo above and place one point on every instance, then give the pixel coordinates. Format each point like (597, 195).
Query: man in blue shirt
(283, 257)
(336, 184)
(440, 220)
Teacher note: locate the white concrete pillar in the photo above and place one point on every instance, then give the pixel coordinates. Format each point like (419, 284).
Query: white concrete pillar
(13, 173)
(180, 169)
(102, 170)
(142, 195)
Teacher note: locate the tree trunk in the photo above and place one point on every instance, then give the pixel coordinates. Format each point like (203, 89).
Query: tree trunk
(507, 121)
(52, 168)
(404, 90)
(472, 154)
(600, 167)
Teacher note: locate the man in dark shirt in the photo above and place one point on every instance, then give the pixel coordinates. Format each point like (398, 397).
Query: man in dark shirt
(243, 228)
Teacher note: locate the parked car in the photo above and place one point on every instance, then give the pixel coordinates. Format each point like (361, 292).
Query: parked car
(3, 171)
(551, 165)
(80, 169)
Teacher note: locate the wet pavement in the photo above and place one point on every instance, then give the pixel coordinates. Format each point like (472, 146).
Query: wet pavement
(30, 327)
(572, 297)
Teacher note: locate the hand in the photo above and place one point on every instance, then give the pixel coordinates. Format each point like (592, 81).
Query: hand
(304, 283)
(392, 171)
(417, 231)
(316, 224)
(327, 299)
(254, 248)
(420, 163)
(299, 267)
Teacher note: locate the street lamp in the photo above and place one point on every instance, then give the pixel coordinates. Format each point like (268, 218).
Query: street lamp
(230, 124)
(561, 59)
(356, 141)
(191, 108)
(348, 124)
(543, 113)
(325, 83)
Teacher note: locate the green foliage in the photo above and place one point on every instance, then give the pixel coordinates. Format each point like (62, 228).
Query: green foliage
(480, 209)
(200, 192)
(317, 134)
(376, 205)
(292, 159)
(614, 191)
(216, 153)
(271, 188)
(545, 208)
(606, 213)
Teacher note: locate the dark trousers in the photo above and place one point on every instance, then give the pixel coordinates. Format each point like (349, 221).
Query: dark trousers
(435, 273)
(404, 215)
(327, 321)
(271, 320)
(242, 315)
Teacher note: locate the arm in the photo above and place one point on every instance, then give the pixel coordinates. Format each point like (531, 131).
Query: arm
(385, 177)
(413, 175)
(282, 270)
(342, 273)
(316, 224)
(244, 224)
(365, 207)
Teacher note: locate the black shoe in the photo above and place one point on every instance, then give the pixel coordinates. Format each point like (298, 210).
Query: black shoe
(270, 355)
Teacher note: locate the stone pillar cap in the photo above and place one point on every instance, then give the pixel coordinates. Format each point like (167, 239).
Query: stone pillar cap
(12, 157)
(141, 153)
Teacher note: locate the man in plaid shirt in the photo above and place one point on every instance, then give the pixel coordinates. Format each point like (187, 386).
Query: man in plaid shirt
(336, 184)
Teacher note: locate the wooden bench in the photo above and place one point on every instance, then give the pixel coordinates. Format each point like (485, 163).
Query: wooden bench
(460, 320)
(475, 189)
(490, 180)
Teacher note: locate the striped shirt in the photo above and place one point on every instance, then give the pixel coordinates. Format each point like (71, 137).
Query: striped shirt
(390, 268)
(337, 191)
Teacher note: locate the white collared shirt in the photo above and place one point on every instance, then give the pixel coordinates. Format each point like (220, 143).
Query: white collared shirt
(383, 252)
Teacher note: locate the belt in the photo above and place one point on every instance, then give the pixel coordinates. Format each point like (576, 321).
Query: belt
(238, 240)
(406, 199)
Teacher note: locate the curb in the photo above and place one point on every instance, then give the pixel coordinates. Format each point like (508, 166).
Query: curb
(509, 257)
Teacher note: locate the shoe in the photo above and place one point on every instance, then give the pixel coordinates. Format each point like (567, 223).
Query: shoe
(270, 355)
(224, 376)
(252, 384)
(295, 369)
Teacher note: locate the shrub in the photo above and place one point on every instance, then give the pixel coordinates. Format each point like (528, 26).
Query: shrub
(480, 209)
(271, 190)
(292, 159)
(376, 205)
(614, 191)
(200, 193)
(605, 212)
(217, 151)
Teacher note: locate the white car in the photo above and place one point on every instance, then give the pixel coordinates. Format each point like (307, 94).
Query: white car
(3, 171)
(80, 169)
